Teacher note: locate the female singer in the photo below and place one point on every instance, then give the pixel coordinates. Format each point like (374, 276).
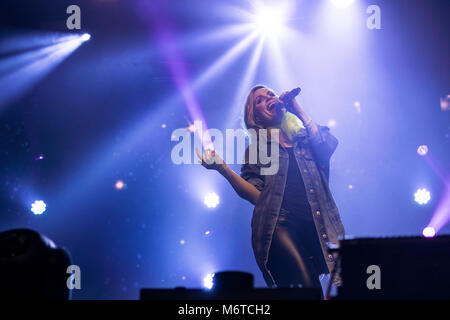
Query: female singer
(295, 216)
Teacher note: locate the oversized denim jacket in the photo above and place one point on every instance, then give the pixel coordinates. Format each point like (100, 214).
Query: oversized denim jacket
(313, 153)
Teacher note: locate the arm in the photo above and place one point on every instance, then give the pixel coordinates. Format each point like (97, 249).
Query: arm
(243, 188)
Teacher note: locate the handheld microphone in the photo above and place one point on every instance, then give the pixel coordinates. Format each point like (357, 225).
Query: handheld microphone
(291, 95)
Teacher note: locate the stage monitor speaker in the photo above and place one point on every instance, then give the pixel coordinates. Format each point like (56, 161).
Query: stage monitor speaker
(232, 285)
(395, 268)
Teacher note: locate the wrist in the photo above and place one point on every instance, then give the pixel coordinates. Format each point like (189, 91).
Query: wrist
(222, 168)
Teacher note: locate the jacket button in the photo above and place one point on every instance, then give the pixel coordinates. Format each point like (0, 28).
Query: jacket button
(318, 212)
(311, 190)
(330, 257)
(304, 170)
(324, 236)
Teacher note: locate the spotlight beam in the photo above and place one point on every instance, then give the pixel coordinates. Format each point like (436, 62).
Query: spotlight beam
(32, 67)
(211, 38)
(225, 60)
(441, 215)
(245, 84)
(90, 173)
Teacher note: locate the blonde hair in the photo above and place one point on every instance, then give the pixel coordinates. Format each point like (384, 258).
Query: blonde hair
(249, 109)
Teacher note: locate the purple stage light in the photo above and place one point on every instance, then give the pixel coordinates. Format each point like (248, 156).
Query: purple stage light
(166, 38)
(429, 232)
(441, 215)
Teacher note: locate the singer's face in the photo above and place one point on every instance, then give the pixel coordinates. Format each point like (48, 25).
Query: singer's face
(266, 111)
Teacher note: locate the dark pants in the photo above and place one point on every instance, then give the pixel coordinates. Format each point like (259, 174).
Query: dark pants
(295, 256)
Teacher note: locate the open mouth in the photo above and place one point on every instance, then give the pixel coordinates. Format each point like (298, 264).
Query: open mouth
(271, 105)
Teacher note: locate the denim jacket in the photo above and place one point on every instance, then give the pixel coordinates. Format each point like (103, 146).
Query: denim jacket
(313, 153)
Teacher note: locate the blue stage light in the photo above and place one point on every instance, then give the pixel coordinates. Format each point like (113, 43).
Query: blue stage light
(211, 200)
(85, 37)
(422, 196)
(38, 207)
(208, 281)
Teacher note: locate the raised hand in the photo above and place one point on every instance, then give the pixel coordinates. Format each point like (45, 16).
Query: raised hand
(211, 160)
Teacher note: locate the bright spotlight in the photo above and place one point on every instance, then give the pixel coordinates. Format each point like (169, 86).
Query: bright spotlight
(422, 196)
(119, 185)
(429, 232)
(208, 281)
(207, 233)
(38, 207)
(211, 200)
(422, 150)
(445, 103)
(85, 37)
(331, 123)
(342, 3)
(269, 21)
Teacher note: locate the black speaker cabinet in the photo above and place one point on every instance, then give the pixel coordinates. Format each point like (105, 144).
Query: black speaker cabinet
(395, 268)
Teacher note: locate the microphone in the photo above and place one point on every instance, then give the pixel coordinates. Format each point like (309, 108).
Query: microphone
(291, 95)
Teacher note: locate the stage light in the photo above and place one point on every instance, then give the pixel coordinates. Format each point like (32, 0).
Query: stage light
(445, 103)
(207, 233)
(269, 21)
(85, 37)
(38, 207)
(119, 185)
(422, 196)
(342, 3)
(32, 65)
(208, 281)
(429, 232)
(422, 150)
(211, 200)
(331, 123)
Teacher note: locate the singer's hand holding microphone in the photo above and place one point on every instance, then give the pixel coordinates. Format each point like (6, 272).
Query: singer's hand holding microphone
(287, 99)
